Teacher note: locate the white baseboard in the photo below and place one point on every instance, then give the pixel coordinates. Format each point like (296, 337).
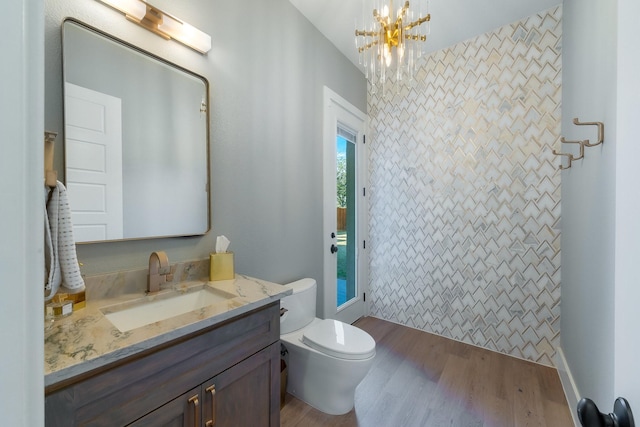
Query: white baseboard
(568, 385)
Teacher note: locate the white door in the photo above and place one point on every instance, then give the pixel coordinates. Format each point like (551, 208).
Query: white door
(345, 210)
(93, 156)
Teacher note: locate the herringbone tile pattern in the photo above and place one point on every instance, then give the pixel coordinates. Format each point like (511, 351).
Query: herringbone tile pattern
(465, 193)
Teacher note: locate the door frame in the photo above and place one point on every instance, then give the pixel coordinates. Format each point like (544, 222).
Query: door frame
(338, 111)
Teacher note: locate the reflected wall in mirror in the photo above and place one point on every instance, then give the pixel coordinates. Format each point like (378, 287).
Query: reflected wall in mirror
(136, 141)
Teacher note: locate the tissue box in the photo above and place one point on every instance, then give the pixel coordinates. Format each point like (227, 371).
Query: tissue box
(221, 267)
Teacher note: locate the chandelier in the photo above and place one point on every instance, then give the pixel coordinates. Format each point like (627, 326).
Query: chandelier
(391, 42)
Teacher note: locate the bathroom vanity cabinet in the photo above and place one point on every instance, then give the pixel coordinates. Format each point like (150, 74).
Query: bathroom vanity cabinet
(225, 375)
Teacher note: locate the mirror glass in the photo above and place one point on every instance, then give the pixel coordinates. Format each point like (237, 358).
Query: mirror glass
(136, 141)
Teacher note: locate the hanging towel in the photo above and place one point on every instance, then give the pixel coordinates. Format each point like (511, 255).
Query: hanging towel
(61, 262)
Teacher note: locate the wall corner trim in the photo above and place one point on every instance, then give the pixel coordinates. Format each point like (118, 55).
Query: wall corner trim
(568, 385)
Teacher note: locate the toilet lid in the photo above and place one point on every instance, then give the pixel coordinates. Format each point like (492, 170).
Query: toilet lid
(339, 340)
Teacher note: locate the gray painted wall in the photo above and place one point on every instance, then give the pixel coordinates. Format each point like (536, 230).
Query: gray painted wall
(22, 213)
(267, 69)
(601, 202)
(627, 315)
(588, 198)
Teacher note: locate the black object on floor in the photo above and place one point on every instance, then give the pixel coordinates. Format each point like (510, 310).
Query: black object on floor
(590, 416)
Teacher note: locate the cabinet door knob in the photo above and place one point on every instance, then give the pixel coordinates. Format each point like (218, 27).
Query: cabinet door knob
(212, 389)
(196, 410)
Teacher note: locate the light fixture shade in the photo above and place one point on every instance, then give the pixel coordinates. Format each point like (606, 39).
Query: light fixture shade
(195, 38)
(185, 33)
(161, 23)
(133, 8)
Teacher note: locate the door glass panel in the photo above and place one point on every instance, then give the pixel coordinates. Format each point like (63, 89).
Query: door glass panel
(346, 216)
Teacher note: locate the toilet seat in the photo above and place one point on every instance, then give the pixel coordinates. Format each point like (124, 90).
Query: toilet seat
(339, 340)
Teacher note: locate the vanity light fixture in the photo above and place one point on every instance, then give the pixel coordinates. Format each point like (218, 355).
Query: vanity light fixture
(162, 24)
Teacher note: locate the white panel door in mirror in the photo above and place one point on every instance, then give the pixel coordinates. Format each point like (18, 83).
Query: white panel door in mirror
(93, 127)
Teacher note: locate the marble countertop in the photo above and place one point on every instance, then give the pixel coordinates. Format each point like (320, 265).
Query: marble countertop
(87, 340)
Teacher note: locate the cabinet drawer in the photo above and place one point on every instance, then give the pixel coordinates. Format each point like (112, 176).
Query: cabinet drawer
(140, 384)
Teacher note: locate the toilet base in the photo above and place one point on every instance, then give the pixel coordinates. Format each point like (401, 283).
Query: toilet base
(325, 382)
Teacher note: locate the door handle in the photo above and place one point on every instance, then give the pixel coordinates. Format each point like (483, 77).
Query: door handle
(196, 410)
(334, 249)
(212, 421)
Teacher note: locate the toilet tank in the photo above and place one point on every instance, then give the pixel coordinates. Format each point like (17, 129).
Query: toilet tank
(300, 306)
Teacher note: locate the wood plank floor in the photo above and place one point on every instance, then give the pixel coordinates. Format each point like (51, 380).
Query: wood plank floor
(421, 379)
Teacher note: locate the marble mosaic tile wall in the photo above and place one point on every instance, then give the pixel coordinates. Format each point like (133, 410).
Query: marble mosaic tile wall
(465, 192)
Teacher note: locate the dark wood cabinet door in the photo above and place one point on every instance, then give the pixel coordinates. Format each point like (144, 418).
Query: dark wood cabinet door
(183, 411)
(242, 395)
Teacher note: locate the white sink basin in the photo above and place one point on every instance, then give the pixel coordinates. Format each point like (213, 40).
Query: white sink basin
(150, 309)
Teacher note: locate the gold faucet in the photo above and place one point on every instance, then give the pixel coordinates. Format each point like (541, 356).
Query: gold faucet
(159, 271)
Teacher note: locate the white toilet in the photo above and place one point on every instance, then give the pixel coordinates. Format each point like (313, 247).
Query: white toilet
(327, 358)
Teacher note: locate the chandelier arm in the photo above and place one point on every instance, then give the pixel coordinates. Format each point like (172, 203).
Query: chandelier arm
(398, 23)
(365, 33)
(420, 38)
(368, 46)
(381, 20)
(417, 22)
(404, 10)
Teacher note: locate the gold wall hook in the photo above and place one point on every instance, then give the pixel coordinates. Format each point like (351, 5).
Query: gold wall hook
(582, 144)
(569, 157)
(600, 126)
